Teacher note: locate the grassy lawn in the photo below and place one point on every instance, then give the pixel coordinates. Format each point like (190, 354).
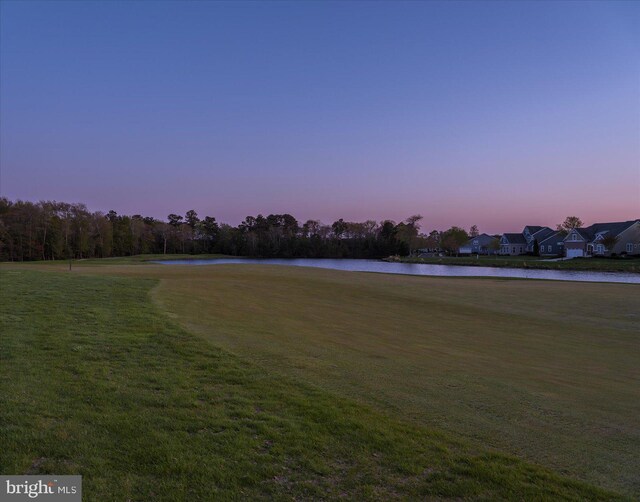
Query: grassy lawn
(597, 264)
(123, 260)
(544, 370)
(317, 383)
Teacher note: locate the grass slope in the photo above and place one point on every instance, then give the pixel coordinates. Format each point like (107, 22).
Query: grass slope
(544, 370)
(95, 380)
(138, 259)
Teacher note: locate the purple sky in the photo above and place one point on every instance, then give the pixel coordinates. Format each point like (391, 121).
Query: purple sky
(496, 114)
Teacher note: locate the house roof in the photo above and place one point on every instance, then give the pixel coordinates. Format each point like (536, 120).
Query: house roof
(543, 233)
(552, 239)
(614, 228)
(483, 240)
(601, 234)
(515, 238)
(533, 229)
(584, 233)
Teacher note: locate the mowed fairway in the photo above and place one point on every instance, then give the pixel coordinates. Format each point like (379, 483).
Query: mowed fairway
(328, 383)
(549, 371)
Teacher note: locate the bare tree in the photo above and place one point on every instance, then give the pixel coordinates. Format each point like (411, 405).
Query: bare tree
(569, 223)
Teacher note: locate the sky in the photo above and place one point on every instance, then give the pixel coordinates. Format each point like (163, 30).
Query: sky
(498, 114)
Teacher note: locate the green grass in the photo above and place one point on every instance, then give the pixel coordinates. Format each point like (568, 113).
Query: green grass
(544, 370)
(96, 380)
(630, 265)
(122, 260)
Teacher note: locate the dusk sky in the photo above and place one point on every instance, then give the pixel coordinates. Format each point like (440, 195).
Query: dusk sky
(496, 114)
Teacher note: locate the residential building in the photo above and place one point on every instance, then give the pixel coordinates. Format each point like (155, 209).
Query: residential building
(553, 245)
(481, 244)
(533, 234)
(522, 243)
(589, 241)
(513, 244)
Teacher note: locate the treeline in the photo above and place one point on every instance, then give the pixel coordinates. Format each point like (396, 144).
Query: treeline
(50, 230)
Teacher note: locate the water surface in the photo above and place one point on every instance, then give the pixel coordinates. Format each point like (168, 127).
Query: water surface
(422, 269)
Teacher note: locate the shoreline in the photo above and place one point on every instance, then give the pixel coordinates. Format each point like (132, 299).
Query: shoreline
(631, 266)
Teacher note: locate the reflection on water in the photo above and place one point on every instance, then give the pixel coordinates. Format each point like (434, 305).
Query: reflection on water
(424, 269)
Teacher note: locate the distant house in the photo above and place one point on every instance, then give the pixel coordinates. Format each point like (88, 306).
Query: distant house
(513, 244)
(553, 245)
(588, 241)
(481, 244)
(525, 242)
(533, 234)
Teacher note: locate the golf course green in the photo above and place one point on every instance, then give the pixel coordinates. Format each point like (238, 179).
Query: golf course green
(267, 382)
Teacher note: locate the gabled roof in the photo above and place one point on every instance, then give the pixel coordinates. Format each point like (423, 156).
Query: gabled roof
(543, 233)
(515, 238)
(533, 229)
(483, 239)
(552, 239)
(614, 228)
(580, 231)
(600, 235)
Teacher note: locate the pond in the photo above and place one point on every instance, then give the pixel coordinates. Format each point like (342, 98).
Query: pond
(422, 269)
